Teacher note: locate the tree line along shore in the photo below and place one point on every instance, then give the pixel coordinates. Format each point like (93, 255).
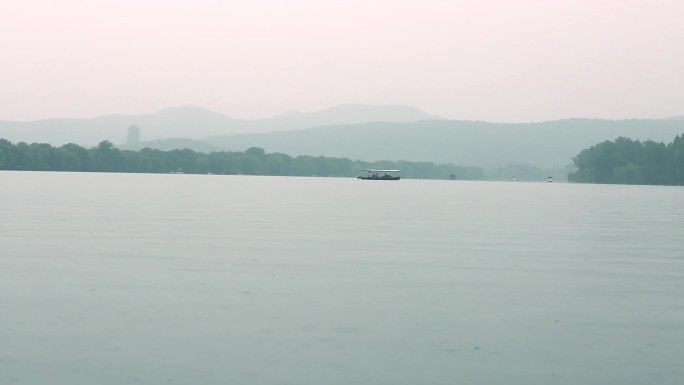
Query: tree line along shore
(622, 161)
(105, 157)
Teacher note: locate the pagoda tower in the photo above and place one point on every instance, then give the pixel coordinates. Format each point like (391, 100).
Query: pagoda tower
(133, 135)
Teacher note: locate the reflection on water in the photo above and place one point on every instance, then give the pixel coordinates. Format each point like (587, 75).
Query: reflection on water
(157, 279)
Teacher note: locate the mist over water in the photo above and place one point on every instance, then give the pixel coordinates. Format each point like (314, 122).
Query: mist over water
(208, 279)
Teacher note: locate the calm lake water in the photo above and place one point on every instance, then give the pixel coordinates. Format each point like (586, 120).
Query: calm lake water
(207, 279)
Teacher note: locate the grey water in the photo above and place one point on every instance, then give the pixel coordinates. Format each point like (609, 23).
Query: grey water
(209, 279)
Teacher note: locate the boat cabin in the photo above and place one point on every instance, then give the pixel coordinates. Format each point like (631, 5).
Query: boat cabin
(373, 174)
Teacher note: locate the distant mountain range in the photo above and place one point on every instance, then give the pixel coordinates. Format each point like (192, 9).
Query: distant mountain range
(354, 131)
(195, 123)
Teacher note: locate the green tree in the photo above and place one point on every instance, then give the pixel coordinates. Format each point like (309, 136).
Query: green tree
(630, 162)
(105, 157)
(108, 158)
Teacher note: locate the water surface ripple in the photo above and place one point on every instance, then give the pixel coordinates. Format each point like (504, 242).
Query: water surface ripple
(208, 279)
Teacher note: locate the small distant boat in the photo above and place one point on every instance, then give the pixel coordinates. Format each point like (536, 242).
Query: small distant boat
(374, 174)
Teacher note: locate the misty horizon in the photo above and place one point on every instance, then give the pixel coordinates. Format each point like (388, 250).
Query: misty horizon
(494, 61)
(294, 113)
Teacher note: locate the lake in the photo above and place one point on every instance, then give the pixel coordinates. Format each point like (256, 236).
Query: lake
(209, 279)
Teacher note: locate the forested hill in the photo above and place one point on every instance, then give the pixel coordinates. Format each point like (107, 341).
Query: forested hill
(628, 161)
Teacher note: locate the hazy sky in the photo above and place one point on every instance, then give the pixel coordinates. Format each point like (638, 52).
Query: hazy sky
(495, 60)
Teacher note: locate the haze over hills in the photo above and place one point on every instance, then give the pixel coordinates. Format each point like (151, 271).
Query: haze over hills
(468, 143)
(195, 123)
(342, 114)
(188, 122)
